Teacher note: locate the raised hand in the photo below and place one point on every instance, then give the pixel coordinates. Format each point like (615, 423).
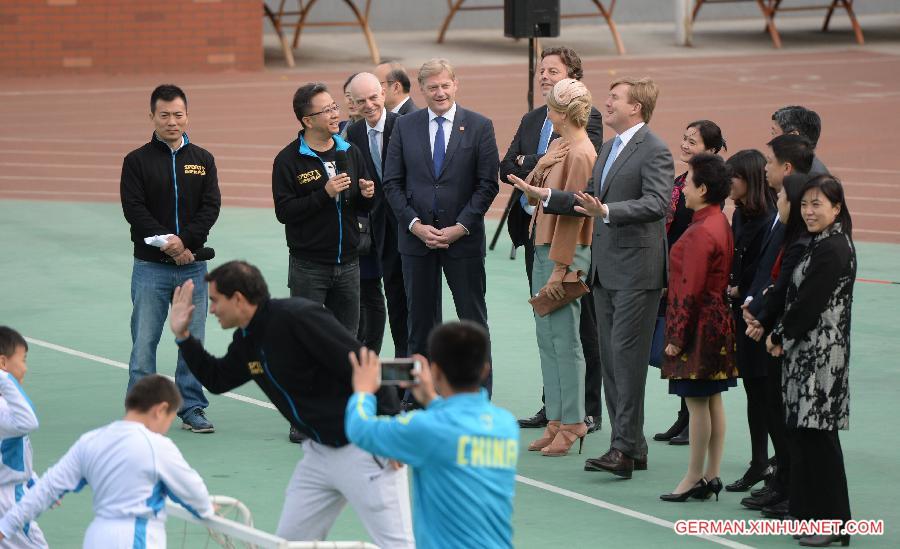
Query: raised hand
(182, 310)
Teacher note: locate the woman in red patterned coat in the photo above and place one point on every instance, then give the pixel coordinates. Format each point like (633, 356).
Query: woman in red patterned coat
(700, 352)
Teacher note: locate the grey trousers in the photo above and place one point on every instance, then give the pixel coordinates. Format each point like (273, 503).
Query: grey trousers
(327, 478)
(559, 343)
(625, 322)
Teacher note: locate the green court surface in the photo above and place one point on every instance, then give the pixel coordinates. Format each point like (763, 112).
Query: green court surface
(65, 276)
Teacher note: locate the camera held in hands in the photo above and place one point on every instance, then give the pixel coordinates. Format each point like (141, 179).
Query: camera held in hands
(398, 371)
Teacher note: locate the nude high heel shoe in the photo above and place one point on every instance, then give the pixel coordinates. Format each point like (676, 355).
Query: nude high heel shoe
(549, 434)
(565, 438)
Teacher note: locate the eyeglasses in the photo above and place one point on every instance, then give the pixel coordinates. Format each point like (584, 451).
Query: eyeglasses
(333, 108)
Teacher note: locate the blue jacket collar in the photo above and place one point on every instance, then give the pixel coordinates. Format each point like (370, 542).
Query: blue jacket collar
(305, 150)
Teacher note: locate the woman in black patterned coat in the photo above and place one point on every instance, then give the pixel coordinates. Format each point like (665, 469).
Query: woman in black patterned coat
(814, 337)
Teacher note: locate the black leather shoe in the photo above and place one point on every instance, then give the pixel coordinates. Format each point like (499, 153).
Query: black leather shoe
(536, 421)
(824, 541)
(759, 491)
(750, 478)
(779, 510)
(768, 500)
(592, 424)
(683, 438)
(613, 461)
(680, 422)
(296, 436)
(696, 490)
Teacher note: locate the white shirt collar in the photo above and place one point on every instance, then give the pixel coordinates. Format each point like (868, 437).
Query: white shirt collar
(448, 116)
(396, 109)
(379, 127)
(626, 136)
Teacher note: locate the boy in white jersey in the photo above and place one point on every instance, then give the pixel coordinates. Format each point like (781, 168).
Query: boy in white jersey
(17, 420)
(131, 468)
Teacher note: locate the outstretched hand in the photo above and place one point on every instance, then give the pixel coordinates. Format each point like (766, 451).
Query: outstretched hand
(590, 205)
(182, 310)
(532, 192)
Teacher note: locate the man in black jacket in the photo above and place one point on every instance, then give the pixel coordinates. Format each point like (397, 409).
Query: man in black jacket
(296, 352)
(318, 206)
(532, 138)
(169, 190)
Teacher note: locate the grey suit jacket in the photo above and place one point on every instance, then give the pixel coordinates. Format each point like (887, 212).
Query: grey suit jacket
(629, 252)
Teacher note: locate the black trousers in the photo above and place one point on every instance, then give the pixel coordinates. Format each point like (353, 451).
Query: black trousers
(590, 343)
(422, 278)
(372, 314)
(818, 488)
(776, 425)
(394, 290)
(757, 420)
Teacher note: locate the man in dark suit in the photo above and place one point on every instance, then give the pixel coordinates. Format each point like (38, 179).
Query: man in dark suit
(630, 191)
(440, 177)
(372, 135)
(395, 81)
(532, 138)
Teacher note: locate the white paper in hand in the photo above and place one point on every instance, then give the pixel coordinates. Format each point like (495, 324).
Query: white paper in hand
(158, 240)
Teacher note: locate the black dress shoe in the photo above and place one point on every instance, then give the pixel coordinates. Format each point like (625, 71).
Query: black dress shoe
(680, 422)
(779, 510)
(767, 500)
(683, 438)
(613, 461)
(536, 421)
(296, 436)
(760, 491)
(696, 490)
(592, 423)
(750, 478)
(824, 541)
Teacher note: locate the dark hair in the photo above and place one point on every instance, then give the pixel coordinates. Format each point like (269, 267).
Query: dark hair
(151, 390)
(750, 165)
(795, 118)
(303, 98)
(710, 170)
(711, 134)
(348, 80)
(569, 58)
(10, 340)
(793, 191)
(398, 74)
(166, 92)
(240, 276)
(795, 149)
(460, 349)
(833, 190)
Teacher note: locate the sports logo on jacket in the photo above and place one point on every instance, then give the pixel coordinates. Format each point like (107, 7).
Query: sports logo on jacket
(308, 177)
(194, 169)
(255, 368)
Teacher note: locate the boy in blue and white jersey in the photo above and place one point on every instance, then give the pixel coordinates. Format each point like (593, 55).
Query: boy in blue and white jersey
(131, 467)
(17, 421)
(462, 449)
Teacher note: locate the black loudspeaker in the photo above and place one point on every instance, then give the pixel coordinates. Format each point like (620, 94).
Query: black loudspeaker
(530, 18)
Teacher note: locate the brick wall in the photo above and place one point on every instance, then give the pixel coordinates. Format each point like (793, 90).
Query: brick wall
(44, 37)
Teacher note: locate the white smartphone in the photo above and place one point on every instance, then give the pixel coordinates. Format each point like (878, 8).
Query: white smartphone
(395, 371)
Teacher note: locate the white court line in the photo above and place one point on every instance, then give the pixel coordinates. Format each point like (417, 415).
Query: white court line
(519, 478)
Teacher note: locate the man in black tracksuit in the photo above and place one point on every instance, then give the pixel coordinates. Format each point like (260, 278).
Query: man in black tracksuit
(169, 187)
(297, 353)
(318, 206)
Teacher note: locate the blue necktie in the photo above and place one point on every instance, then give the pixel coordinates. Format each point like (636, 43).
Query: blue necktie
(440, 149)
(544, 141)
(613, 153)
(375, 151)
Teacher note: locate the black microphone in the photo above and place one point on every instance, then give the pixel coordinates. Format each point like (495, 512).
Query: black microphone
(341, 165)
(203, 254)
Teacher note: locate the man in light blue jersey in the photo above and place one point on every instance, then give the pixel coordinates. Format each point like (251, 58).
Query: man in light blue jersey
(462, 449)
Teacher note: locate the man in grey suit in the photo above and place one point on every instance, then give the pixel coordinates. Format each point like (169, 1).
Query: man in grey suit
(630, 191)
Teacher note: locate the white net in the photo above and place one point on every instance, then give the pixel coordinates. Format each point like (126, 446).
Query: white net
(232, 528)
